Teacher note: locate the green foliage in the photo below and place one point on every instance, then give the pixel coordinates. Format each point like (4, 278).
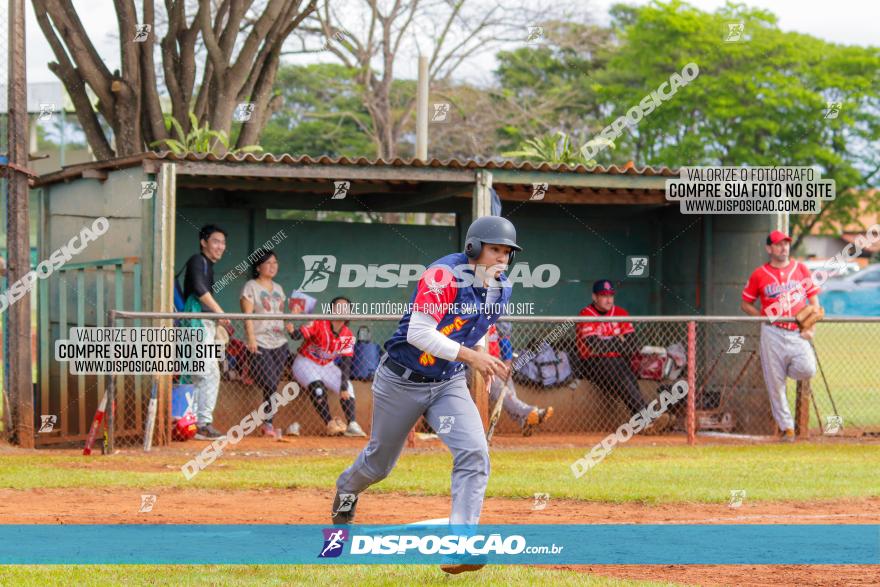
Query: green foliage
(759, 101)
(554, 148)
(555, 81)
(323, 113)
(200, 139)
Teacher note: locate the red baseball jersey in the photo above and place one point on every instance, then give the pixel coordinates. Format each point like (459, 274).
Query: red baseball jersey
(787, 288)
(322, 345)
(603, 330)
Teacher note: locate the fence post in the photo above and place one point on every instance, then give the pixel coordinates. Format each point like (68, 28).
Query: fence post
(111, 395)
(802, 409)
(692, 383)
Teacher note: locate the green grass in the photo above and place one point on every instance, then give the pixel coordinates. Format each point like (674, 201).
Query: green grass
(850, 357)
(360, 575)
(666, 474)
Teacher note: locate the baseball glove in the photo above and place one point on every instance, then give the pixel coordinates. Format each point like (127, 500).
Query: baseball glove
(809, 315)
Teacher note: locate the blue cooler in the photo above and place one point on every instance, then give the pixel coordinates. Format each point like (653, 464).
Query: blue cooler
(180, 405)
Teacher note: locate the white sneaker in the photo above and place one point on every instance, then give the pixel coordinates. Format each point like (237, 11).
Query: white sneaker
(354, 429)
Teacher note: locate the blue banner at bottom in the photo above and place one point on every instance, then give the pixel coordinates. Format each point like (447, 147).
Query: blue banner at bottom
(422, 544)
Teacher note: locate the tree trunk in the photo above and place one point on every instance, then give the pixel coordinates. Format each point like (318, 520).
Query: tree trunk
(128, 99)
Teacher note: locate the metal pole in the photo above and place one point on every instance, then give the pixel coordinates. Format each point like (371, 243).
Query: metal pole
(126, 314)
(692, 384)
(61, 132)
(21, 389)
(422, 111)
(110, 420)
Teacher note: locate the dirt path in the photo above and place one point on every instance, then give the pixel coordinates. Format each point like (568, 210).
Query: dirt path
(310, 506)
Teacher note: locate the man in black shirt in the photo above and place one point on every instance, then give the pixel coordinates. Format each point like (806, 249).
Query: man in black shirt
(198, 284)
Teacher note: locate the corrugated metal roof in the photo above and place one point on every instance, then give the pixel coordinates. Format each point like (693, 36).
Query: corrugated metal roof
(268, 159)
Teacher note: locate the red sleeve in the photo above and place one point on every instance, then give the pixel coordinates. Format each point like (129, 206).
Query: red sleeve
(625, 327)
(752, 289)
(348, 342)
(586, 328)
(435, 292)
(811, 289)
(308, 330)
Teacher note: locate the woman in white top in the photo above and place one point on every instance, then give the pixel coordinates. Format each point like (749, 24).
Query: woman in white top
(266, 339)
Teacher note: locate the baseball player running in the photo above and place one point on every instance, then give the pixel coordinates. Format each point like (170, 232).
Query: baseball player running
(785, 288)
(455, 302)
(314, 370)
(529, 417)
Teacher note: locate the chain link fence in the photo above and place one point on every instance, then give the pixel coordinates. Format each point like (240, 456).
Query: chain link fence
(4, 187)
(592, 388)
(4, 79)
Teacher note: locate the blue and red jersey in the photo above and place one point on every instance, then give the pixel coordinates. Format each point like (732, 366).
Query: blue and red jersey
(464, 313)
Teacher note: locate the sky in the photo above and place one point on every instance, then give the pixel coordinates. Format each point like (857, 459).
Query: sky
(851, 22)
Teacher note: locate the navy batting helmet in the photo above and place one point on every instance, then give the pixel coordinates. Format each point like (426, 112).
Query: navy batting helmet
(494, 230)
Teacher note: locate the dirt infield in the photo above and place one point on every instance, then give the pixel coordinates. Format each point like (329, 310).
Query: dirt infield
(309, 506)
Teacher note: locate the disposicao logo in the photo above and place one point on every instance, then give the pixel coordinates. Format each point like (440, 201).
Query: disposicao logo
(334, 540)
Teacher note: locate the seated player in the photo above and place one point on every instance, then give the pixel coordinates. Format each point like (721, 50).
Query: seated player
(314, 370)
(602, 347)
(529, 417)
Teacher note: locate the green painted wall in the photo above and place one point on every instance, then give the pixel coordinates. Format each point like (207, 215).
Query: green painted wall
(349, 242)
(587, 242)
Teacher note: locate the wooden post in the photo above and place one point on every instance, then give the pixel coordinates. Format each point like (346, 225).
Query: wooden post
(482, 200)
(692, 384)
(482, 206)
(802, 409)
(480, 395)
(422, 110)
(163, 266)
(21, 388)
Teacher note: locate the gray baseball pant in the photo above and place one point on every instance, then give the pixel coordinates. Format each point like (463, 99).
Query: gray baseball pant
(515, 407)
(784, 354)
(397, 405)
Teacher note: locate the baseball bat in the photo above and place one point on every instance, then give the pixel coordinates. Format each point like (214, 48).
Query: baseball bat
(495, 414)
(7, 414)
(93, 431)
(151, 418)
(822, 371)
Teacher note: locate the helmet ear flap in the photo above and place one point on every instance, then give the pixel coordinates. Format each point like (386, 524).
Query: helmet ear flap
(472, 248)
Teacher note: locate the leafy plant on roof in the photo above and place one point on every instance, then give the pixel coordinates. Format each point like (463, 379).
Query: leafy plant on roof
(200, 139)
(554, 148)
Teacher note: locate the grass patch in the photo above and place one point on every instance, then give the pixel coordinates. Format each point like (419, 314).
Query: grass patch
(335, 575)
(666, 474)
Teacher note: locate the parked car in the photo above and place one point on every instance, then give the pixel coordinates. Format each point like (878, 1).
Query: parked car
(813, 265)
(857, 294)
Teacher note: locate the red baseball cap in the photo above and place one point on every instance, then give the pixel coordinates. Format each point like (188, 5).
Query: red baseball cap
(777, 236)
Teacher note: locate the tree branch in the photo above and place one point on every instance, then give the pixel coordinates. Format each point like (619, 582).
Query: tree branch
(75, 86)
(155, 129)
(89, 65)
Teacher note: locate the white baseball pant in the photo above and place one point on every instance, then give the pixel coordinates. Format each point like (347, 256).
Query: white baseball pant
(307, 371)
(784, 354)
